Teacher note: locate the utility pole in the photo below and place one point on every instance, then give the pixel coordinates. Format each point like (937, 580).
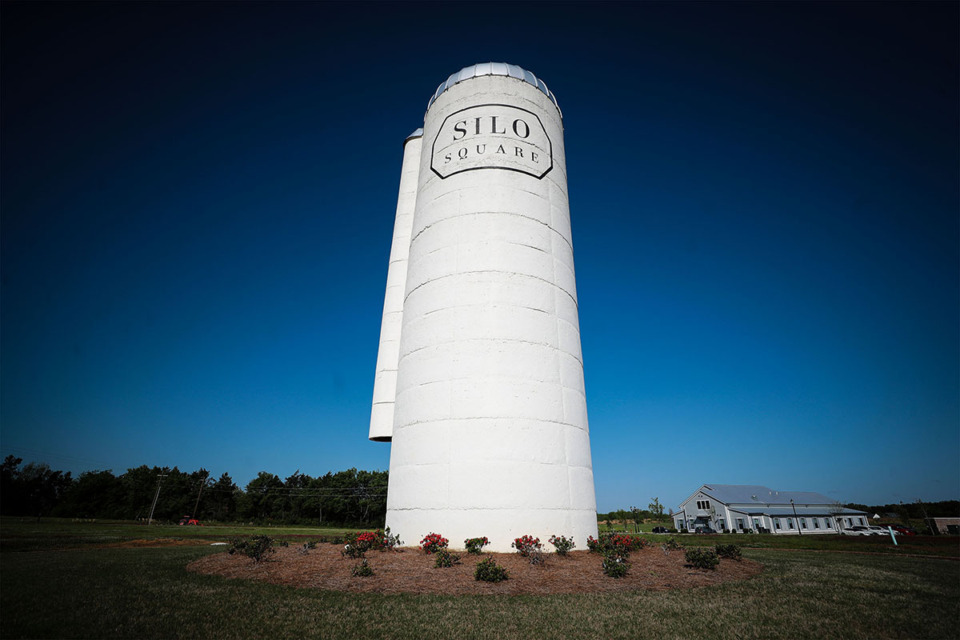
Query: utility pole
(160, 478)
(200, 493)
(795, 518)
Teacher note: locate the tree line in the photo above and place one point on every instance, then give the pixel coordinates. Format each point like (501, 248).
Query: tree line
(912, 510)
(654, 512)
(350, 498)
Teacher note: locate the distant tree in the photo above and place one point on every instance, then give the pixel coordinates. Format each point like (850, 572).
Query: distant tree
(656, 509)
(43, 489)
(296, 490)
(11, 495)
(262, 499)
(944, 509)
(221, 499)
(95, 494)
(371, 491)
(139, 488)
(179, 494)
(34, 490)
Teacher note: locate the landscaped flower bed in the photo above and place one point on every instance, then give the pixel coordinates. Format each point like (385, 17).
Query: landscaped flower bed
(410, 571)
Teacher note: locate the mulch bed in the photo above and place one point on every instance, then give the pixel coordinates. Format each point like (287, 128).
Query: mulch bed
(411, 571)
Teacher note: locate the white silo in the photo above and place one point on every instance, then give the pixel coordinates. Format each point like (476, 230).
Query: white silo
(489, 422)
(388, 355)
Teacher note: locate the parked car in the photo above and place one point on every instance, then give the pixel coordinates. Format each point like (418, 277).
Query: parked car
(880, 531)
(903, 530)
(857, 531)
(659, 530)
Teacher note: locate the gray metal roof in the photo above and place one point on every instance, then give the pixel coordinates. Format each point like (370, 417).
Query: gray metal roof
(758, 494)
(494, 69)
(801, 511)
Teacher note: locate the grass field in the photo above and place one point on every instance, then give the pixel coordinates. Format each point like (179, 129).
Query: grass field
(25, 534)
(72, 587)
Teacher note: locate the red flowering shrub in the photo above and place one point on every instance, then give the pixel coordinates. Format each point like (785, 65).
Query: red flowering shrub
(616, 544)
(593, 544)
(525, 545)
(357, 544)
(563, 544)
(433, 542)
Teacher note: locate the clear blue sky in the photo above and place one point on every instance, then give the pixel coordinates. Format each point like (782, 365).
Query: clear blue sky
(198, 199)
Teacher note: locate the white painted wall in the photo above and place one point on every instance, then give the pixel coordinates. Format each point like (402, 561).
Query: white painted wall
(490, 434)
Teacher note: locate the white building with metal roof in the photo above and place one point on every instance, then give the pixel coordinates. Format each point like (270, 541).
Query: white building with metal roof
(748, 508)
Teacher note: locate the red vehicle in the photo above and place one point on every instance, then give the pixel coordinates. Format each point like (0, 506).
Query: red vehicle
(188, 520)
(902, 530)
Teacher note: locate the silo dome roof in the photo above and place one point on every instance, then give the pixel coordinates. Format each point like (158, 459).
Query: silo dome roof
(494, 69)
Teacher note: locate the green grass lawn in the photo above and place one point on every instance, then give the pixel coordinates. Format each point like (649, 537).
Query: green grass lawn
(95, 592)
(946, 546)
(23, 534)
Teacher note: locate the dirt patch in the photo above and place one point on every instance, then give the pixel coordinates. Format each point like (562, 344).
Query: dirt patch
(410, 571)
(155, 542)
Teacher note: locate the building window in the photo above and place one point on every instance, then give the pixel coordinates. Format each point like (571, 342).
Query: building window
(740, 524)
(679, 525)
(827, 524)
(816, 523)
(721, 524)
(756, 523)
(849, 522)
(790, 523)
(863, 522)
(703, 505)
(803, 523)
(776, 523)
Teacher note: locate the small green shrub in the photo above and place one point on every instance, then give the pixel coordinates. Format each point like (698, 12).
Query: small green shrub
(730, 551)
(255, 547)
(615, 566)
(488, 570)
(702, 558)
(445, 559)
(362, 570)
(536, 557)
(562, 544)
(671, 544)
(475, 545)
(389, 541)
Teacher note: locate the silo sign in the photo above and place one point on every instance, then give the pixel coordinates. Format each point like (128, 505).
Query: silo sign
(492, 136)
